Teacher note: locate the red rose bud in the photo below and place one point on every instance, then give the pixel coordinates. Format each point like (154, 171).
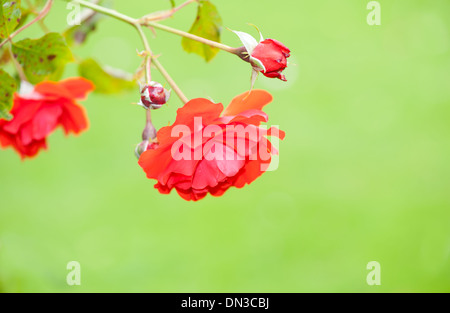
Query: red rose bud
(267, 56)
(273, 55)
(154, 96)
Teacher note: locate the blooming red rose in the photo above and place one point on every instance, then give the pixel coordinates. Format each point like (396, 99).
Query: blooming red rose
(273, 55)
(205, 151)
(40, 111)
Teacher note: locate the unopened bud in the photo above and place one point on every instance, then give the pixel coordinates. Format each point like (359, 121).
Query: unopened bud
(141, 148)
(144, 146)
(153, 95)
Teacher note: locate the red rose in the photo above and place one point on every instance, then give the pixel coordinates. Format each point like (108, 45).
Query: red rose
(38, 113)
(206, 152)
(272, 54)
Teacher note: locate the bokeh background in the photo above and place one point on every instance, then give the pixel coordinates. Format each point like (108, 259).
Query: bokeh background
(364, 171)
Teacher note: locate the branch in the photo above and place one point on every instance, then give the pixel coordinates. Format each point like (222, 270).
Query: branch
(159, 16)
(39, 17)
(137, 25)
(191, 36)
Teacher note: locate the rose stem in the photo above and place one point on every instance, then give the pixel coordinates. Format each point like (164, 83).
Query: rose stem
(191, 36)
(135, 23)
(167, 14)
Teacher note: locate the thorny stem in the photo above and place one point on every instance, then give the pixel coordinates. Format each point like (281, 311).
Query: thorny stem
(39, 17)
(145, 22)
(148, 66)
(150, 57)
(137, 25)
(106, 11)
(181, 33)
(148, 54)
(149, 21)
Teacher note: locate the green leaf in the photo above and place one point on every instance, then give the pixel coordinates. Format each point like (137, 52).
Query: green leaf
(9, 17)
(106, 81)
(7, 89)
(172, 3)
(208, 24)
(43, 58)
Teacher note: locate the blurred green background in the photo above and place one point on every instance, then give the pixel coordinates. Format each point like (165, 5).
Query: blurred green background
(364, 171)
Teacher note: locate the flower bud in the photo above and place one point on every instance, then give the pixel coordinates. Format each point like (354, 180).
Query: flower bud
(268, 56)
(144, 146)
(153, 95)
(272, 54)
(140, 148)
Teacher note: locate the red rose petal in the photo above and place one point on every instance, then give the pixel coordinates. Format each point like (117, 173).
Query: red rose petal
(255, 100)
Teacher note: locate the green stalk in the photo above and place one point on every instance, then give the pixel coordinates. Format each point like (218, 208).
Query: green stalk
(150, 57)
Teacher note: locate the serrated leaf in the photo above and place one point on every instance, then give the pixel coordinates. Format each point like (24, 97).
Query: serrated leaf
(10, 14)
(7, 88)
(208, 24)
(42, 58)
(105, 81)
